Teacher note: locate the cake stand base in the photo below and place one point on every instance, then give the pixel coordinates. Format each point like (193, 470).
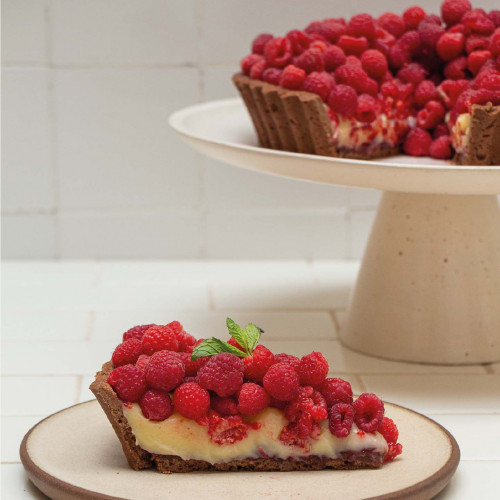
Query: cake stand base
(429, 286)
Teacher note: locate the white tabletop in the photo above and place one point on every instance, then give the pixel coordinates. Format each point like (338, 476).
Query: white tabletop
(61, 321)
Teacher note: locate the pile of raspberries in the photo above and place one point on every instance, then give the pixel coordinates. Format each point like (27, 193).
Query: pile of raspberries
(417, 64)
(153, 367)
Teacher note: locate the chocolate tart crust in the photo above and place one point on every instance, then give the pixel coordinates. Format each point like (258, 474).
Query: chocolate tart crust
(141, 459)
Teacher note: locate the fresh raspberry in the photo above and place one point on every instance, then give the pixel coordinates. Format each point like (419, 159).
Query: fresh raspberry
(412, 73)
(432, 114)
(341, 419)
(156, 405)
(164, 371)
(383, 41)
(476, 42)
(353, 45)
(281, 381)
(361, 25)
(343, 100)
(353, 61)
(272, 75)
(392, 23)
(142, 361)
(368, 412)
(128, 382)
(313, 369)
(330, 30)
(293, 361)
(186, 341)
(299, 40)
(453, 10)
(431, 19)
(336, 390)
(234, 343)
(390, 433)
(450, 45)
(191, 401)
(451, 89)
(252, 399)
(310, 60)
(228, 430)
(458, 28)
(321, 45)
(399, 55)
(319, 83)
(411, 41)
(257, 69)
(425, 91)
(190, 367)
(417, 142)
(441, 148)
(260, 42)
(224, 406)
(455, 70)
(489, 79)
(393, 451)
(276, 403)
(494, 46)
(223, 374)
(440, 130)
(476, 60)
(278, 52)
(483, 96)
(248, 61)
(159, 338)
(405, 90)
(413, 16)
(127, 352)
(429, 34)
(136, 332)
(389, 89)
(494, 15)
(256, 365)
(352, 75)
(374, 63)
(334, 57)
(368, 108)
(476, 21)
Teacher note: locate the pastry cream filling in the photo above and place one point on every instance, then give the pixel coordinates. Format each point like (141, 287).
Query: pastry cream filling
(185, 438)
(460, 132)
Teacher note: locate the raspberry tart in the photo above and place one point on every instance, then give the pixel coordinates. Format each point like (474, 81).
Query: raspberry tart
(421, 84)
(181, 404)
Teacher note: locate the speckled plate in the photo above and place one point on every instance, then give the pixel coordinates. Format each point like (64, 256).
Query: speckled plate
(74, 454)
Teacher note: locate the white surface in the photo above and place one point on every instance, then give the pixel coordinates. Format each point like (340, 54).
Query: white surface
(466, 399)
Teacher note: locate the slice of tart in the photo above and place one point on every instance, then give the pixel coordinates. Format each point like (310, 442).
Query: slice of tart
(369, 87)
(181, 404)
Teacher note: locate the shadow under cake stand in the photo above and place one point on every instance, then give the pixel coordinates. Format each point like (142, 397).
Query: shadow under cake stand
(428, 289)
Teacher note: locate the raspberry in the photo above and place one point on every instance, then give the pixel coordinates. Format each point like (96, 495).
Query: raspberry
(276, 403)
(451, 89)
(156, 405)
(223, 374)
(353, 45)
(405, 90)
(368, 412)
(390, 433)
(361, 25)
(224, 406)
(494, 15)
(257, 69)
(494, 45)
(320, 45)
(431, 19)
(393, 451)
(159, 338)
(299, 40)
(352, 75)
(235, 344)
(281, 381)
(248, 61)
(313, 369)
(412, 73)
(368, 108)
(334, 57)
(185, 340)
(190, 367)
(440, 130)
(476, 21)
(425, 91)
(413, 16)
(260, 42)
(392, 23)
(453, 10)
(411, 41)
(128, 382)
(136, 332)
(389, 89)
(191, 401)
(127, 352)
(336, 390)
(477, 59)
(256, 365)
(441, 148)
(374, 63)
(417, 142)
(477, 42)
(278, 52)
(455, 70)
(353, 61)
(383, 40)
(319, 83)
(399, 55)
(458, 28)
(430, 33)
(487, 79)
(272, 75)
(341, 419)
(228, 430)
(343, 100)
(450, 45)
(142, 361)
(293, 361)
(330, 30)
(310, 60)
(252, 399)
(431, 115)
(164, 371)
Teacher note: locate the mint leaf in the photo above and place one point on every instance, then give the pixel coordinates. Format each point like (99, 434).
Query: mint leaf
(238, 334)
(252, 335)
(213, 346)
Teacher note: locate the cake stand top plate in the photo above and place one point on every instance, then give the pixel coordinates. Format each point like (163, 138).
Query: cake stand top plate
(223, 130)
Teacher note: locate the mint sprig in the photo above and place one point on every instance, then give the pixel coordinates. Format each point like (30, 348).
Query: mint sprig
(247, 338)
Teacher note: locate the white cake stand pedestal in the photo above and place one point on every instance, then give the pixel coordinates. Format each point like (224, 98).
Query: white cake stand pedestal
(428, 289)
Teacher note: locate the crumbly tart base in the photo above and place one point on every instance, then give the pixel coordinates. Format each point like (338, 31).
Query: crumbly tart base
(141, 459)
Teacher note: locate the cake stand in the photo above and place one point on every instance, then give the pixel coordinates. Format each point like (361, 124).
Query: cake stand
(428, 289)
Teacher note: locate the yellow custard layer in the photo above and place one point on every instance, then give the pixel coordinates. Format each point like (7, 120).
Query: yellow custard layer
(185, 438)
(460, 132)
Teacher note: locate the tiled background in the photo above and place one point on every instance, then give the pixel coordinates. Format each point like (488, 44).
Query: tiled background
(90, 167)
